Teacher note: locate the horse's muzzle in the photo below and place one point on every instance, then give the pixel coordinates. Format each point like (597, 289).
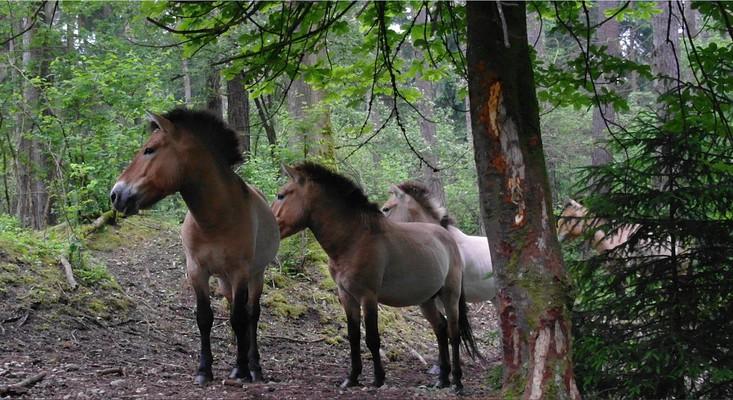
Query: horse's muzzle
(124, 198)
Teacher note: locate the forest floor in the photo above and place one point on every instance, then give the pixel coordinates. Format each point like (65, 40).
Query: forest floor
(147, 346)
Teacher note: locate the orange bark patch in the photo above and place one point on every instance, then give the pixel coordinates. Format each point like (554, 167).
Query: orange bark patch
(499, 164)
(493, 107)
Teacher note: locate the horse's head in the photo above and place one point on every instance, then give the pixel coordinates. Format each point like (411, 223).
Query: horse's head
(412, 202)
(292, 205)
(571, 223)
(155, 172)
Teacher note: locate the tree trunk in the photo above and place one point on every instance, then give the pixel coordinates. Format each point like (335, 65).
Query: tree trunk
(665, 39)
(186, 83)
(516, 200)
(238, 112)
(213, 95)
(33, 200)
(267, 125)
(312, 122)
(606, 35)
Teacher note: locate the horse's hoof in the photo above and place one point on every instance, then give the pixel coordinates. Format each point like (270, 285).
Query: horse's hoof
(257, 376)
(458, 388)
(378, 382)
(441, 384)
(348, 382)
(202, 379)
(240, 375)
(434, 370)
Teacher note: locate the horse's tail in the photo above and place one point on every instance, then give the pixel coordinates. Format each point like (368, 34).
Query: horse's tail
(464, 327)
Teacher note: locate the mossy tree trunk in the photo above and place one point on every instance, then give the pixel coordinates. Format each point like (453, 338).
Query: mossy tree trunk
(515, 198)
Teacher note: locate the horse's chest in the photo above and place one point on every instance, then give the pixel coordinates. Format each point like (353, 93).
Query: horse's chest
(215, 259)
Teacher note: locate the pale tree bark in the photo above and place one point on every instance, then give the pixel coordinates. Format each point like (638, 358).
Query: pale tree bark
(606, 35)
(312, 121)
(187, 98)
(516, 200)
(238, 112)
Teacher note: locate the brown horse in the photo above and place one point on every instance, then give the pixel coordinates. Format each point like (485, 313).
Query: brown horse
(229, 231)
(373, 260)
(412, 201)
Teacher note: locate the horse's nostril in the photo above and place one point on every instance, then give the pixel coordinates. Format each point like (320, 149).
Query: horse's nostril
(113, 196)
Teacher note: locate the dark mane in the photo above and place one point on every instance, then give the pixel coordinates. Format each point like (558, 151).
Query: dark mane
(210, 130)
(339, 185)
(422, 196)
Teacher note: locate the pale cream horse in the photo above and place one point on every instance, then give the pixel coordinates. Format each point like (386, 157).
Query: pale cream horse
(412, 202)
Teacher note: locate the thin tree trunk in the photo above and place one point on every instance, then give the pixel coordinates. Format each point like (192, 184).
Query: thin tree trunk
(266, 125)
(666, 44)
(186, 83)
(516, 200)
(607, 35)
(238, 112)
(213, 95)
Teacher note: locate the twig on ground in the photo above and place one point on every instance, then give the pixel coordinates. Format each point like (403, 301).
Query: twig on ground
(417, 355)
(22, 386)
(294, 339)
(111, 371)
(69, 273)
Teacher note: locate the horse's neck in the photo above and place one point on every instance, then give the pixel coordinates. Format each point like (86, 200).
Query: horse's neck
(205, 194)
(337, 229)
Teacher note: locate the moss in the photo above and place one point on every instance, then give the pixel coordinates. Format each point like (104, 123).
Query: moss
(333, 335)
(277, 302)
(494, 377)
(136, 228)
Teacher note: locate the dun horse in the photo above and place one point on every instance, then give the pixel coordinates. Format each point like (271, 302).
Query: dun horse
(229, 231)
(412, 202)
(374, 260)
(575, 222)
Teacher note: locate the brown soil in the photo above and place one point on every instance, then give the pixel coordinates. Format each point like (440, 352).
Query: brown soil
(155, 343)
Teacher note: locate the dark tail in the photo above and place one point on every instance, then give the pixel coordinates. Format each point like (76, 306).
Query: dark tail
(464, 327)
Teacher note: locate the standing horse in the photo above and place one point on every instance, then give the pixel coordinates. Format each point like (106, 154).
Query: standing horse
(374, 260)
(229, 231)
(412, 202)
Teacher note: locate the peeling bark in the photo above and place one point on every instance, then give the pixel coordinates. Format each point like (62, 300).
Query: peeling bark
(515, 200)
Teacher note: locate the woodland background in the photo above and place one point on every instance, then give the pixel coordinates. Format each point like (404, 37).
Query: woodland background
(635, 113)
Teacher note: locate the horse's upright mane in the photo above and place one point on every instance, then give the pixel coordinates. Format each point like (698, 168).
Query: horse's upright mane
(339, 185)
(221, 140)
(425, 198)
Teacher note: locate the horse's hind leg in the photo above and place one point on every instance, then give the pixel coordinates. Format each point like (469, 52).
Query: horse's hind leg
(253, 311)
(450, 301)
(353, 324)
(371, 326)
(204, 320)
(239, 319)
(438, 323)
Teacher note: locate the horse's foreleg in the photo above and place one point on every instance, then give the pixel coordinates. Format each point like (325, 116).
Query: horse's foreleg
(239, 319)
(253, 311)
(353, 320)
(371, 326)
(438, 323)
(204, 319)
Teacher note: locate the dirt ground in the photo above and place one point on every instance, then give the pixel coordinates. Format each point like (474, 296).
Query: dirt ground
(151, 350)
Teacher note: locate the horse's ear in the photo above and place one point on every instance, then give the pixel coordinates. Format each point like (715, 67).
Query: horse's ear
(161, 122)
(397, 192)
(291, 173)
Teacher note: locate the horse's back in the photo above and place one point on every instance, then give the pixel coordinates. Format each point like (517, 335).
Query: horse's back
(420, 259)
(478, 282)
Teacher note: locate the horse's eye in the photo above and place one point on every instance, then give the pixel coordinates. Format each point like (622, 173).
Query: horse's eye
(149, 150)
(385, 209)
(280, 196)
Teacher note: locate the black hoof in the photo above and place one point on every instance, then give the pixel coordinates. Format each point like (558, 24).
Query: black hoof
(348, 382)
(441, 384)
(202, 378)
(434, 370)
(240, 375)
(458, 389)
(378, 382)
(257, 376)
